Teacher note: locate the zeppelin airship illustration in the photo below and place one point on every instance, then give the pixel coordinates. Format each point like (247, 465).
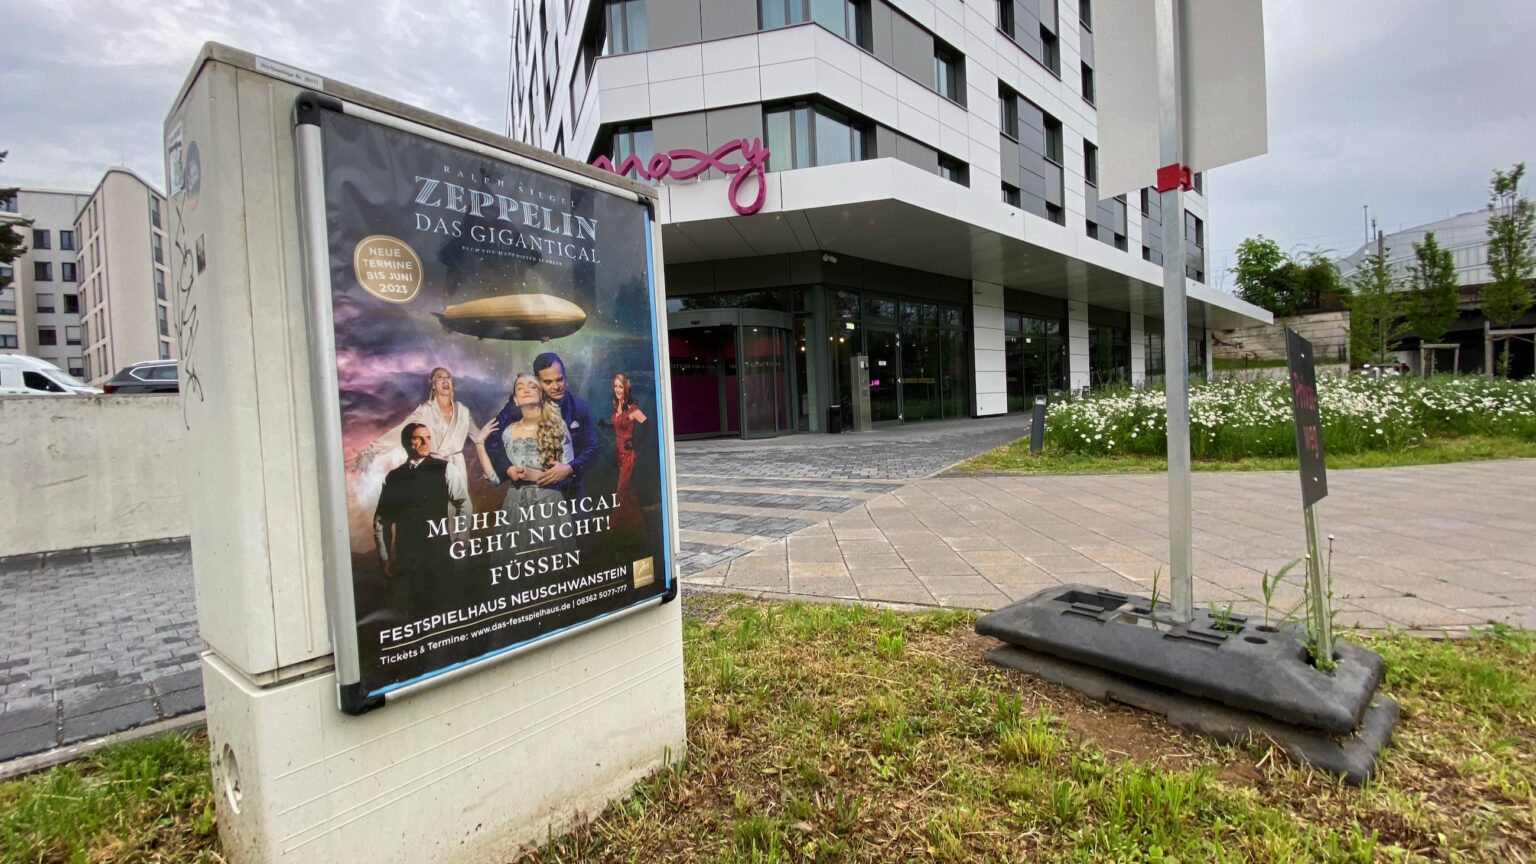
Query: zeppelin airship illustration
(529, 317)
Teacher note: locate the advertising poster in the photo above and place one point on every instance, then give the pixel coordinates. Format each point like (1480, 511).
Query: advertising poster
(497, 369)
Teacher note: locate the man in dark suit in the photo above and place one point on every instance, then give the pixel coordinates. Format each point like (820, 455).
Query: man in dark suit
(550, 372)
(414, 495)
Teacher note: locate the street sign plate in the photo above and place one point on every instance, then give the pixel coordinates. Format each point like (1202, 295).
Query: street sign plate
(1309, 424)
(1224, 108)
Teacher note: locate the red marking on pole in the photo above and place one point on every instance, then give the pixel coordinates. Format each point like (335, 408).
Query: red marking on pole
(1173, 176)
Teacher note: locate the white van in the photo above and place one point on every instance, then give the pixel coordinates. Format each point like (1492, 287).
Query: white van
(21, 375)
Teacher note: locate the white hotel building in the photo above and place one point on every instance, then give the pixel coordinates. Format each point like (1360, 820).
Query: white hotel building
(930, 201)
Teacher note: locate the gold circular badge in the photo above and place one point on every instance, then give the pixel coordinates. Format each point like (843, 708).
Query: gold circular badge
(387, 268)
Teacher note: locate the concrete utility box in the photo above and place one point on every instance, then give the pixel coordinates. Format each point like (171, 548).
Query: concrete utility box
(858, 373)
(496, 750)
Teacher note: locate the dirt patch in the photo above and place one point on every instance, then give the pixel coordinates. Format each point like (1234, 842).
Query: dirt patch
(1121, 732)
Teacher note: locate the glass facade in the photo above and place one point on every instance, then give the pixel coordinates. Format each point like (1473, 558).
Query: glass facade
(919, 363)
(1035, 361)
(1109, 355)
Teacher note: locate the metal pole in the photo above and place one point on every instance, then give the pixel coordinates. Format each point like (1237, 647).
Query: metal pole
(1322, 621)
(1170, 128)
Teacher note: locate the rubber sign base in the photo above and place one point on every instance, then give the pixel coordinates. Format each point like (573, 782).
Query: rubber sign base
(1222, 672)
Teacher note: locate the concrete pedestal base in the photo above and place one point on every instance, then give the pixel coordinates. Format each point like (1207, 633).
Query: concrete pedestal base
(471, 771)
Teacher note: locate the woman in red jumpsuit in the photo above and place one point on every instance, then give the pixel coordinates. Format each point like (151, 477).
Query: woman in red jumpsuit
(628, 424)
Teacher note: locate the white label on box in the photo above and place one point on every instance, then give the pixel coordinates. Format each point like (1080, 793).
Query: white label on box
(288, 73)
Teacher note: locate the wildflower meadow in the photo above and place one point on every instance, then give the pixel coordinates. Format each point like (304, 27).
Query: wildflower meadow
(1231, 419)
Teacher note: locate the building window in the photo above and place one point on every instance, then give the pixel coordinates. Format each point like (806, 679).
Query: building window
(8, 204)
(1194, 247)
(1146, 201)
(1055, 213)
(66, 241)
(67, 271)
(72, 304)
(1085, 14)
(40, 239)
(948, 72)
(7, 334)
(160, 284)
(1146, 253)
(1199, 182)
(1109, 355)
(47, 336)
(805, 135)
(165, 325)
(7, 302)
(1005, 19)
(954, 170)
(72, 334)
(625, 27)
(77, 367)
(42, 271)
(154, 210)
(1050, 51)
(843, 17)
(1011, 196)
(1008, 111)
(1053, 139)
(165, 350)
(156, 246)
(1088, 83)
(45, 303)
(7, 273)
(1090, 163)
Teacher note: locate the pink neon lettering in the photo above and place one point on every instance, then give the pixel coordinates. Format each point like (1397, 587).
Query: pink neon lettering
(754, 161)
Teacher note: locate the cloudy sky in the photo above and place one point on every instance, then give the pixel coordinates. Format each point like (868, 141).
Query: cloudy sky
(1402, 105)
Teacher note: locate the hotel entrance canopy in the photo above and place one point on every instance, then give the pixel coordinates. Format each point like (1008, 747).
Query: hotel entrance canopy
(890, 211)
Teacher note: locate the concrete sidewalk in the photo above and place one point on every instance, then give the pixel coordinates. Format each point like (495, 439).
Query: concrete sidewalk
(1422, 548)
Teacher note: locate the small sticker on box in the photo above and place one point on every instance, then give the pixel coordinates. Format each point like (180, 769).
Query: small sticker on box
(288, 73)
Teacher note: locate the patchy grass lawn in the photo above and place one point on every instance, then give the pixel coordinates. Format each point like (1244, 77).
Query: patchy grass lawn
(140, 801)
(839, 733)
(1014, 458)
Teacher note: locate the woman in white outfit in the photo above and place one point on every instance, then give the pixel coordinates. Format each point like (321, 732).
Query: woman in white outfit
(451, 426)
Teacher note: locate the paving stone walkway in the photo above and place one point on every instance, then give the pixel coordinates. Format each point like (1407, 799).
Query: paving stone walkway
(93, 642)
(1421, 548)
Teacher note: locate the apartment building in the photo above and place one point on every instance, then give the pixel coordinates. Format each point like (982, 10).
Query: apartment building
(125, 303)
(928, 200)
(40, 310)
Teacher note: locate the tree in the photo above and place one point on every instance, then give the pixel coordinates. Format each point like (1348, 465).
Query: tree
(1259, 275)
(1511, 228)
(1375, 311)
(1284, 284)
(12, 242)
(1315, 280)
(1432, 307)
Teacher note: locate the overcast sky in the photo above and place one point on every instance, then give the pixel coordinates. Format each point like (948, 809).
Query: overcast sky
(1404, 105)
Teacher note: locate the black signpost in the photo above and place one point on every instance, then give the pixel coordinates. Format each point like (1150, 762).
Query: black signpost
(1037, 427)
(1314, 476)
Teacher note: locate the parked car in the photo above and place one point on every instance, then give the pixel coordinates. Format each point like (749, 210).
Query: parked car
(151, 376)
(21, 375)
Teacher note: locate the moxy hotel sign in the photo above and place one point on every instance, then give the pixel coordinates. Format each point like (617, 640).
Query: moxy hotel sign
(752, 159)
